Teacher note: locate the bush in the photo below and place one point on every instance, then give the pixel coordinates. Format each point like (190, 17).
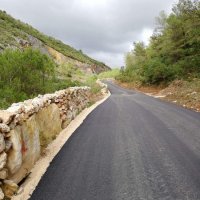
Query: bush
(156, 72)
(91, 82)
(25, 74)
(173, 51)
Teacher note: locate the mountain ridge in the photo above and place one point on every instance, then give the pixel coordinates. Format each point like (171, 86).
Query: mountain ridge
(16, 34)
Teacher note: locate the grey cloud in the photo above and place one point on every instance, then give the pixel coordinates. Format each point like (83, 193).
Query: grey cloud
(105, 29)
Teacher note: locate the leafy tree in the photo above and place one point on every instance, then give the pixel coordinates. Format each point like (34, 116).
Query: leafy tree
(24, 74)
(174, 49)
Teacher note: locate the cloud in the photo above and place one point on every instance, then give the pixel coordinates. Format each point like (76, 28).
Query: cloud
(146, 34)
(104, 29)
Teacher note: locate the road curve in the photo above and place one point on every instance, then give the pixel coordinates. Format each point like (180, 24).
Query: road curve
(132, 147)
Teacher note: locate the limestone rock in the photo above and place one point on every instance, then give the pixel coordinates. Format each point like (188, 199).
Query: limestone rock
(3, 173)
(104, 91)
(30, 149)
(16, 108)
(49, 123)
(6, 117)
(12, 125)
(4, 128)
(1, 194)
(15, 154)
(20, 190)
(20, 118)
(2, 143)
(8, 145)
(34, 124)
(9, 188)
(38, 103)
(3, 159)
(69, 115)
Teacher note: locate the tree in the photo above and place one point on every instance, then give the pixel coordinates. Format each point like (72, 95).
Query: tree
(24, 74)
(174, 49)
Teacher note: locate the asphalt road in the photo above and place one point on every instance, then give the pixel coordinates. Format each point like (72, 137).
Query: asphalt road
(132, 147)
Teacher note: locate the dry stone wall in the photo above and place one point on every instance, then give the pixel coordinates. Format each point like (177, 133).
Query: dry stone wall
(104, 87)
(27, 127)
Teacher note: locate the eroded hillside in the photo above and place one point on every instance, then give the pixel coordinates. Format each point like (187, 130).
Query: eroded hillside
(16, 34)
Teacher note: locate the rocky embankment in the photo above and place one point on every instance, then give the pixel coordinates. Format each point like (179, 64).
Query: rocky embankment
(180, 92)
(27, 127)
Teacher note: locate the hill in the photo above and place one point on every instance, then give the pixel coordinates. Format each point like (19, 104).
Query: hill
(32, 63)
(16, 34)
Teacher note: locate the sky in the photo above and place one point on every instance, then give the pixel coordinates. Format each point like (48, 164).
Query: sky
(103, 29)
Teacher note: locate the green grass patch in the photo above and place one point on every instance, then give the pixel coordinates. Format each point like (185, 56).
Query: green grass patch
(109, 74)
(91, 82)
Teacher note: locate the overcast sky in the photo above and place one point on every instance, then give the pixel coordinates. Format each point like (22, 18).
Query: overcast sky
(104, 29)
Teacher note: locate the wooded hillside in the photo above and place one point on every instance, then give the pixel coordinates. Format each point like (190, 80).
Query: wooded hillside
(173, 51)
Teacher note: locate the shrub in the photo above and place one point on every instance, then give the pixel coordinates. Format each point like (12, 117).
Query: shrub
(24, 74)
(173, 51)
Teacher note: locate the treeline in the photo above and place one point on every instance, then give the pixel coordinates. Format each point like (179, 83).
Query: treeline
(25, 74)
(173, 51)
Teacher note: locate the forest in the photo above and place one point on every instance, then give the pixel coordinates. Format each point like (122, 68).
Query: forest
(173, 51)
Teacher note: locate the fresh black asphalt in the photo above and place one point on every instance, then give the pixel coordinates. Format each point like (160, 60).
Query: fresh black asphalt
(131, 147)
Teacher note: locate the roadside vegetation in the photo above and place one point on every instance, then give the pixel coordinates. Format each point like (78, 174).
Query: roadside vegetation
(185, 93)
(70, 72)
(90, 80)
(109, 74)
(173, 51)
(25, 74)
(170, 65)
(26, 71)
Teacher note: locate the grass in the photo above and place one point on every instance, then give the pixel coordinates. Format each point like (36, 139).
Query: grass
(186, 93)
(109, 74)
(69, 71)
(91, 82)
